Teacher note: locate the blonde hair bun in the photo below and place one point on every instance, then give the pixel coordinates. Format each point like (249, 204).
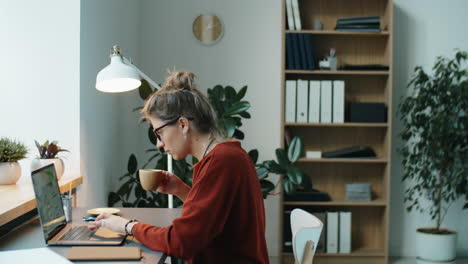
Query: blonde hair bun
(182, 80)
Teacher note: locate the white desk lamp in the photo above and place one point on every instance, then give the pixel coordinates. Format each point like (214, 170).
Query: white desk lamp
(122, 76)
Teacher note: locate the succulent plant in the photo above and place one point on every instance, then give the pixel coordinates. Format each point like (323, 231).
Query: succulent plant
(48, 150)
(11, 150)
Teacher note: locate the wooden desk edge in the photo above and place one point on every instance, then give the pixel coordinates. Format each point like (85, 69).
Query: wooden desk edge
(26, 206)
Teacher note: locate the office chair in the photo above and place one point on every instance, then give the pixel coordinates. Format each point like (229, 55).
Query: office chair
(306, 230)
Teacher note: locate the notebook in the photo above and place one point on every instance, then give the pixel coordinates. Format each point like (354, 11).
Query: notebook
(55, 228)
(104, 253)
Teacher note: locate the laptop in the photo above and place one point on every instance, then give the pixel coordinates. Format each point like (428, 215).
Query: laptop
(55, 228)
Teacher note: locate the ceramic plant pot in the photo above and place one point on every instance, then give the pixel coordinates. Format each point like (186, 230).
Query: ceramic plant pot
(435, 248)
(10, 172)
(58, 163)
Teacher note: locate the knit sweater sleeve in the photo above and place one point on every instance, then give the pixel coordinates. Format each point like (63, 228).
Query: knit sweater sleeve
(204, 214)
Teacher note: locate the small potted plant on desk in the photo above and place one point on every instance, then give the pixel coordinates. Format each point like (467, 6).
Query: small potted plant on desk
(435, 154)
(47, 155)
(10, 152)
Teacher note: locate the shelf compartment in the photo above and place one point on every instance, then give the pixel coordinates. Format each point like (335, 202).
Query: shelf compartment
(343, 160)
(331, 138)
(375, 203)
(346, 124)
(337, 32)
(360, 252)
(329, 11)
(339, 72)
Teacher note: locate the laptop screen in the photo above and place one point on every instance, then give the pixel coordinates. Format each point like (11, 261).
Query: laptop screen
(49, 202)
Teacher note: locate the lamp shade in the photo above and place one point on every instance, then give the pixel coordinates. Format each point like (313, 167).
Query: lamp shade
(117, 77)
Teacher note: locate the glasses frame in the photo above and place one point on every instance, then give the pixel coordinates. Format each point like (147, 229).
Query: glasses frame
(155, 131)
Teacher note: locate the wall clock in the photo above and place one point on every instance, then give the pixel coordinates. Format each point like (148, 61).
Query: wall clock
(208, 29)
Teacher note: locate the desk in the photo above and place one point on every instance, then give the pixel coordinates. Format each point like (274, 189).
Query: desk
(30, 235)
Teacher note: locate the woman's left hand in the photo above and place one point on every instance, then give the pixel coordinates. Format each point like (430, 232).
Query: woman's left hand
(113, 222)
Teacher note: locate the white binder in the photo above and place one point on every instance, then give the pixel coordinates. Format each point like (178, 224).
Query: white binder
(326, 102)
(345, 232)
(302, 101)
(290, 101)
(314, 101)
(297, 16)
(332, 232)
(289, 14)
(338, 101)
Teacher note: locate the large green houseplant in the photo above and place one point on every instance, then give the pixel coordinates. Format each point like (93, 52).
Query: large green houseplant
(435, 153)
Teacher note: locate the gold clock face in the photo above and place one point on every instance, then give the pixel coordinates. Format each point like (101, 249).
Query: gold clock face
(208, 29)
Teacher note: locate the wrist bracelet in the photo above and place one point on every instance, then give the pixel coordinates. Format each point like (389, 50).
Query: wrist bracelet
(125, 228)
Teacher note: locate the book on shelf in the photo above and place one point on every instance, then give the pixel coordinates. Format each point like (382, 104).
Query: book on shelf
(359, 20)
(321, 245)
(338, 27)
(314, 101)
(365, 67)
(296, 52)
(308, 50)
(291, 101)
(289, 52)
(326, 101)
(302, 101)
(302, 51)
(332, 232)
(359, 29)
(338, 101)
(345, 232)
(289, 15)
(296, 14)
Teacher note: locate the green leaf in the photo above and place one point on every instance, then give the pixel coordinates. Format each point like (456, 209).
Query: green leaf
(295, 175)
(465, 206)
(288, 186)
(229, 126)
(262, 173)
(241, 93)
(230, 94)
(275, 167)
(132, 164)
(295, 149)
(282, 158)
(237, 108)
(238, 134)
(245, 114)
(145, 90)
(267, 186)
(253, 154)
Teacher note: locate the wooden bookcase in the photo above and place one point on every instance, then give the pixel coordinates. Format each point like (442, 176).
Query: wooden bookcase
(369, 234)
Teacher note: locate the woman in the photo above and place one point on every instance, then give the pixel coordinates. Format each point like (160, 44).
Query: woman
(223, 218)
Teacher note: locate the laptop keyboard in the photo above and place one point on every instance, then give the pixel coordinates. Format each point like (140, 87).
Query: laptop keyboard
(78, 233)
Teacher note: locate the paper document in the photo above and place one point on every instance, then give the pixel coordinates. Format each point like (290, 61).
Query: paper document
(35, 255)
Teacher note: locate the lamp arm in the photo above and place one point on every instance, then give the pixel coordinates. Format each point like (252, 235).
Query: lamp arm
(143, 75)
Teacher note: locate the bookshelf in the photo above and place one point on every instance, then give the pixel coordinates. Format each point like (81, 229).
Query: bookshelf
(369, 234)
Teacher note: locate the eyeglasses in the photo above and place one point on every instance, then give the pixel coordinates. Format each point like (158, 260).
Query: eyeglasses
(155, 131)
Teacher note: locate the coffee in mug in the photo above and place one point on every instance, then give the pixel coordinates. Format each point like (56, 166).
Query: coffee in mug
(150, 178)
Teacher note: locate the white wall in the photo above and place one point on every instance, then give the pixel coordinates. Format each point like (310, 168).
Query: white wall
(39, 93)
(424, 29)
(108, 131)
(248, 54)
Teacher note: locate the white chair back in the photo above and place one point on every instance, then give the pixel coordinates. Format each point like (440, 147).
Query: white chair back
(306, 230)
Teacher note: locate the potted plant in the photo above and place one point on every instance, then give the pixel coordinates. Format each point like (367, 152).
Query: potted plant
(435, 154)
(10, 152)
(47, 155)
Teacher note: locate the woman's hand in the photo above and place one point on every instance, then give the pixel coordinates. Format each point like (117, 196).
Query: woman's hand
(113, 222)
(172, 184)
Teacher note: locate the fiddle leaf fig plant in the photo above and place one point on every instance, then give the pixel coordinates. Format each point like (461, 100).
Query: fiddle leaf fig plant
(293, 176)
(435, 132)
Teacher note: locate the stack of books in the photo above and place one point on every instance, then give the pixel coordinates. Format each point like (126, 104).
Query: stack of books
(368, 23)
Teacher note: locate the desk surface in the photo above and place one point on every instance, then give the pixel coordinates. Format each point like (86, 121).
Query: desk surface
(18, 199)
(30, 235)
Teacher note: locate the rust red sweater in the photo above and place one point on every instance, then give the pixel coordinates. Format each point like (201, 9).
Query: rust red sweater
(223, 218)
